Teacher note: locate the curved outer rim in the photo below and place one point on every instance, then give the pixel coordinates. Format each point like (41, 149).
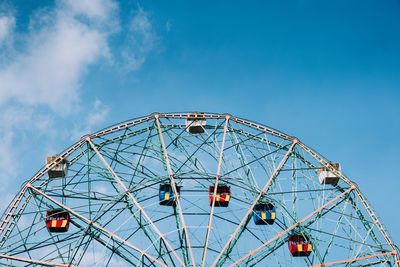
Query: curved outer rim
(6, 225)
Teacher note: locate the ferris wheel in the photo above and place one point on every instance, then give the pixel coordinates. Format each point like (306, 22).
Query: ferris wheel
(192, 189)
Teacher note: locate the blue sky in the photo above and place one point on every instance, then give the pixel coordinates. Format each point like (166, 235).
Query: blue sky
(327, 72)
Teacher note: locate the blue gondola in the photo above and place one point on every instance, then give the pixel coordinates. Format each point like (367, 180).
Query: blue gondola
(167, 196)
(264, 213)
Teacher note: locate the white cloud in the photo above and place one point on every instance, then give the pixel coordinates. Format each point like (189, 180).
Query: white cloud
(50, 73)
(168, 26)
(6, 198)
(8, 166)
(98, 114)
(41, 77)
(7, 24)
(94, 9)
(60, 45)
(13, 121)
(57, 56)
(141, 40)
(94, 119)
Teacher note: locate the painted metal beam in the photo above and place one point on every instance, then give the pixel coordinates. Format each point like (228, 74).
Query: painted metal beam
(134, 201)
(95, 225)
(293, 226)
(174, 188)
(27, 260)
(217, 177)
(234, 236)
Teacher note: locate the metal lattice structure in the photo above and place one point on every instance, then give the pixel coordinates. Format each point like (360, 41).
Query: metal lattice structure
(113, 195)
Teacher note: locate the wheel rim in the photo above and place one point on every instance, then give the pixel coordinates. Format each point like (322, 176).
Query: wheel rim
(111, 192)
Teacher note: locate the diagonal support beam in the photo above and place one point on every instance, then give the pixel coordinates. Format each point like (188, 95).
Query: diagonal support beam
(234, 237)
(293, 226)
(135, 202)
(43, 263)
(217, 177)
(356, 259)
(363, 200)
(178, 202)
(94, 224)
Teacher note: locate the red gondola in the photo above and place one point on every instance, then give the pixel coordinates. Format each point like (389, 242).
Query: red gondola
(222, 197)
(57, 220)
(300, 245)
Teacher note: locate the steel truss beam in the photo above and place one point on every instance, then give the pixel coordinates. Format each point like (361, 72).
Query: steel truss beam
(128, 207)
(355, 259)
(134, 201)
(43, 263)
(293, 226)
(172, 179)
(363, 200)
(16, 208)
(95, 225)
(305, 226)
(217, 177)
(235, 235)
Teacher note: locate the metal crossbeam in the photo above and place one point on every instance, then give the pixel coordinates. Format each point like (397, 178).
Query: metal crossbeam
(234, 237)
(95, 225)
(43, 263)
(134, 201)
(293, 226)
(355, 259)
(123, 150)
(173, 184)
(217, 177)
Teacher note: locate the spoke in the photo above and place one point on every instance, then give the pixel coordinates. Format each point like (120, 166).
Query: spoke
(339, 221)
(378, 224)
(356, 259)
(12, 214)
(199, 147)
(135, 202)
(111, 235)
(112, 248)
(129, 207)
(215, 192)
(44, 263)
(293, 226)
(237, 144)
(363, 200)
(110, 193)
(178, 202)
(234, 237)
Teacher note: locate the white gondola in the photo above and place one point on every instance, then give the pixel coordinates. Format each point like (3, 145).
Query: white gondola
(59, 170)
(195, 123)
(326, 176)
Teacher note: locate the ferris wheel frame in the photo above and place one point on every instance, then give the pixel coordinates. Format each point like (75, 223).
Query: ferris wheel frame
(18, 204)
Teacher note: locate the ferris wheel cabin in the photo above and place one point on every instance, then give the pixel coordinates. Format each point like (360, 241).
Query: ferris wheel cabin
(196, 123)
(57, 220)
(60, 169)
(264, 213)
(300, 245)
(326, 176)
(167, 196)
(222, 196)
